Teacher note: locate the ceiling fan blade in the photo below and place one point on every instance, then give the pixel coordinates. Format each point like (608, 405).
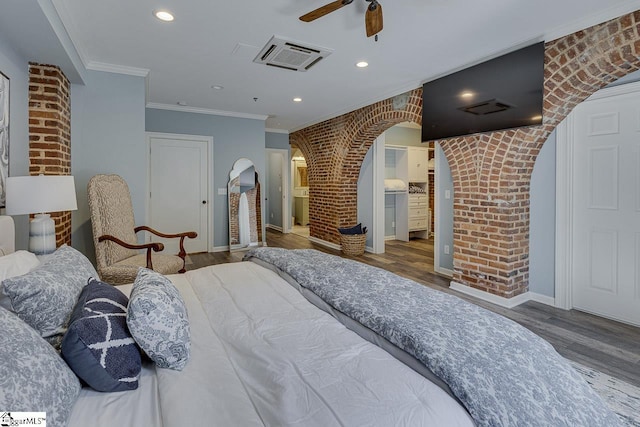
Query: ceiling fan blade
(373, 19)
(324, 10)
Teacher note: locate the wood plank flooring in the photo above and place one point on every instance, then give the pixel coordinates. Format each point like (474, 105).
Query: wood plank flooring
(608, 346)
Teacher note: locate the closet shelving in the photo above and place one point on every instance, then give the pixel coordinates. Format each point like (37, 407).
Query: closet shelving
(407, 210)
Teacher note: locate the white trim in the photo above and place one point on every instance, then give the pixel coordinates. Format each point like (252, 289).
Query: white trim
(325, 243)
(210, 193)
(486, 296)
(390, 238)
(198, 110)
(564, 214)
(117, 69)
(271, 130)
(220, 249)
(275, 227)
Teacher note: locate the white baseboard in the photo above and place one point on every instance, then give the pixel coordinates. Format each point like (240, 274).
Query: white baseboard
(220, 249)
(389, 238)
(324, 243)
(486, 296)
(443, 271)
(274, 227)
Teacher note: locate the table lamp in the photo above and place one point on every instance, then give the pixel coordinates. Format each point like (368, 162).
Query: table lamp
(38, 195)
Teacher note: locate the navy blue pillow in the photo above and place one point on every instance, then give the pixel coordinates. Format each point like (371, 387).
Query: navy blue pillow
(98, 346)
(356, 229)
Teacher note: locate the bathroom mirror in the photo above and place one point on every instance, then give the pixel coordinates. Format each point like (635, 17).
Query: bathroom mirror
(244, 206)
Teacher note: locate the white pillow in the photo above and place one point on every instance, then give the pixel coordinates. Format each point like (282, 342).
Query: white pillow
(12, 265)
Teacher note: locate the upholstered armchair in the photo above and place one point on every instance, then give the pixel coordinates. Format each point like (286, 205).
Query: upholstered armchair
(118, 254)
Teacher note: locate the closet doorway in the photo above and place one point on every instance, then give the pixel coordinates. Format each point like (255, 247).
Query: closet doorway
(399, 191)
(300, 192)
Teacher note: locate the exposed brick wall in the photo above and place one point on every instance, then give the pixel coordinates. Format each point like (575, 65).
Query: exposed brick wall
(50, 132)
(491, 172)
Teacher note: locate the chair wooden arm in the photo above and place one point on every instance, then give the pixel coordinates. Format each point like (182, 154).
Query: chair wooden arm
(156, 246)
(182, 254)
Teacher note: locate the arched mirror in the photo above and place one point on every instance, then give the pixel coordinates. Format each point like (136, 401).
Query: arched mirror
(244, 206)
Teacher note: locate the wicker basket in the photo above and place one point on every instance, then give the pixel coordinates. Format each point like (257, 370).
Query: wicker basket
(353, 244)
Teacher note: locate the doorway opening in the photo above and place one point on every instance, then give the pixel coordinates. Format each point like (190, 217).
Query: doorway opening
(300, 192)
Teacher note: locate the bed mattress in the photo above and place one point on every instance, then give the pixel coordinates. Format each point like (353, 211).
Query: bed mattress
(261, 354)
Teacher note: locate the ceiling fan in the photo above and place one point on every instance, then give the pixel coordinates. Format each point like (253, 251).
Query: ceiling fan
(372, 18)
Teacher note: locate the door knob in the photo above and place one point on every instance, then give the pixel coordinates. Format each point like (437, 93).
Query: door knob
(204, 202)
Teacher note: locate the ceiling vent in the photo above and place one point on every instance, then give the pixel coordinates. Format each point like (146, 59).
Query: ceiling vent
(290, 55)
(486, 107)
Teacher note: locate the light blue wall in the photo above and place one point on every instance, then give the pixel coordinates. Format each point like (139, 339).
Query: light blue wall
(233, 138)
(277, 140)
(542, 220)
(400, 135)
(107, 136)
(274, 189)
(444, 208)
(365, 195)
(16, 69)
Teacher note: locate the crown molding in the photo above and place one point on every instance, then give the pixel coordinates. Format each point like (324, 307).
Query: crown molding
(118, 69)
(187, 109)
(271, 130)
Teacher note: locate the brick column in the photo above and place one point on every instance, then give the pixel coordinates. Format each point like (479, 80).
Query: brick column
(50, 132)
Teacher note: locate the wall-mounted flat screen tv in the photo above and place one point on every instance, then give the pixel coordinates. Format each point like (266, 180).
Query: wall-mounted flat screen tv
(502, 93)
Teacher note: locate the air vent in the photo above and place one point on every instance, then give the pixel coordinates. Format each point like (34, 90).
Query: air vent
(486, 107)
(291, 55)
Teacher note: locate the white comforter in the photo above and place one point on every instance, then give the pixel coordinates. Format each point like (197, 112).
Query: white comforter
(263, 355)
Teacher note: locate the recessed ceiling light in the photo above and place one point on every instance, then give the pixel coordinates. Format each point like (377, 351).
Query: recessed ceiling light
(163, 15)
(297, 99)
(467, 94)
(217, 87)
(362, 64)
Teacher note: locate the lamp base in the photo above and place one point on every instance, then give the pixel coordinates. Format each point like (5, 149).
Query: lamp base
(42, 235)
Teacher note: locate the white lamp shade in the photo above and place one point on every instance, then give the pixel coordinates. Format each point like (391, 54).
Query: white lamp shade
(41, 193)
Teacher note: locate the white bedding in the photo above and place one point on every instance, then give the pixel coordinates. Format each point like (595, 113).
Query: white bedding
(263, 355)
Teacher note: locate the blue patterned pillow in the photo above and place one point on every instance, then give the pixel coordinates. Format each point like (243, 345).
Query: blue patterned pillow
(44, 297)
(33, 377)
(98, 345)
(157, 319)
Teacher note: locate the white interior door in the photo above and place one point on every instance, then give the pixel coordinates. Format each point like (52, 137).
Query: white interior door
(178, 189)
(606, 215)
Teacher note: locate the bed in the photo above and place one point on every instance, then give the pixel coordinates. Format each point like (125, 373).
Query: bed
(274, 341)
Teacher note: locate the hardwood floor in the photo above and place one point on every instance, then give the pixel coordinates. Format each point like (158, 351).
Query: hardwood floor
(608, 346)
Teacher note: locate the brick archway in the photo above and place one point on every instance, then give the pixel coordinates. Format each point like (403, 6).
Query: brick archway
(491, 172)
(334, 151)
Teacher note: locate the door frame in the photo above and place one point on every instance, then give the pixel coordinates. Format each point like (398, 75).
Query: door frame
(209, 141)
(378, 244)
(285, 172)
(564, 196)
